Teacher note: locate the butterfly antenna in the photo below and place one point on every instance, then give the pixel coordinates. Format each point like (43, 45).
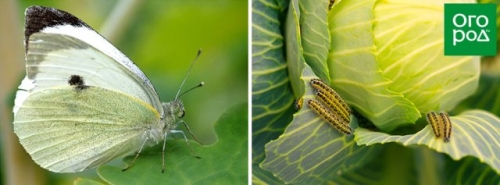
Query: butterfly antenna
(189, 70)
(199, 85)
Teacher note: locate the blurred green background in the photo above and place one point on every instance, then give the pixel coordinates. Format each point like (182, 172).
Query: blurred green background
(162, 38)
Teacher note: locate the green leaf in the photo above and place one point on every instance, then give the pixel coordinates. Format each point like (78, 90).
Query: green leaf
(315, 36)
(385, 168)
(355, 72)
(474, 133)
(225, 162)
(83, 181)
(312, 151)
(398, 164)
(392, 71)
(294, 53)
(470, 171)
(261, 176)
(272, 96)
(414, 60)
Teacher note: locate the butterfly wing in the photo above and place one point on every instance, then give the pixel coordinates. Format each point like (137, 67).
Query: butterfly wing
(59, 45)
(65, 129)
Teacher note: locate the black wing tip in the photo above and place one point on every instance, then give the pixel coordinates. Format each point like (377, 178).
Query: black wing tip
(41, 17)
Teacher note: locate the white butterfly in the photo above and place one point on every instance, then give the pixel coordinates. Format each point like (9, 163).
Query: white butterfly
(82, 102)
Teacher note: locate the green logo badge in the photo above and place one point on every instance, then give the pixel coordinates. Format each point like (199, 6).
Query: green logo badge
(470, 29)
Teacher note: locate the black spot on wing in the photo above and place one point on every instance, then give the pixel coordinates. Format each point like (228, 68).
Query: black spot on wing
(77, 81)
(39, 17)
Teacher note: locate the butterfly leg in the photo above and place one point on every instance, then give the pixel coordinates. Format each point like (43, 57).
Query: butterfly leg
(189, 130)
(136, 155)
(185, 138)
(163, 152)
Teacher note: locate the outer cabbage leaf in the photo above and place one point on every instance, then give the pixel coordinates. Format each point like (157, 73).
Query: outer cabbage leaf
(310, 150)
(294, 53)
(272, 96)
(385, 168)
(315, 36)
(474, 133)
(421, 166)
(470, 171)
